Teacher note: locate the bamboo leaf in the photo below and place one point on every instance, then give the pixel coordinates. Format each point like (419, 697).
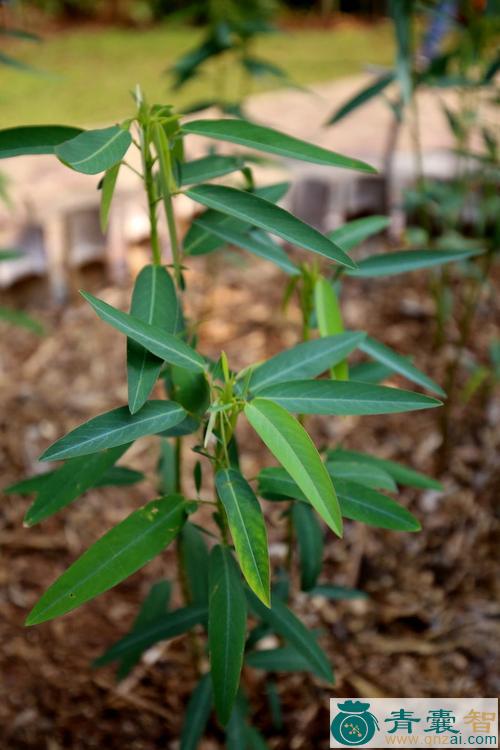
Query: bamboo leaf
(167, 626)
(261, 213)
(390, 264)
(366, 474)
(34, 139)
(226, 629)
(386, 356)
(363, 504)
(95, 151)
(74, 478)
(119, 476)
(197, 713)
(373, 89)
(272, 141)
(155, 302)
(357, 502)
(208, 167)
(115, 427)
(248, 529)
(310, 543)
(329, 319)
(115, 556)
(154, 339)
(199, 242)
(256, 243)
(107, 192)
(291, 445)
(358, 230)
(344, 398)
(153, 608)
(274, 483)
(283, 659)
(285, 624)
(306, 360)
(194, 555)
(400, 473)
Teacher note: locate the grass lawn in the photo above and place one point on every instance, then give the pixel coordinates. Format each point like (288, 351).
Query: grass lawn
(90, 72)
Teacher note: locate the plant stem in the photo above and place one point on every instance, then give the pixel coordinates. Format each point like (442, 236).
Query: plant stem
(174, 240)
(147, 168)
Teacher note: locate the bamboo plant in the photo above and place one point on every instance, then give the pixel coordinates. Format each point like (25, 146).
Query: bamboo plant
(231, 601)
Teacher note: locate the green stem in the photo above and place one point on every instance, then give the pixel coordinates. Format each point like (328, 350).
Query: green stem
(174, 239)
(147, 168)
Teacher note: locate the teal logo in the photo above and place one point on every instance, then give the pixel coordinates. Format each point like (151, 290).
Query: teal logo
(354, 724)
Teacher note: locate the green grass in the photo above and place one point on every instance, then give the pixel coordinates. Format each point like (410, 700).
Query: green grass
(89, 73)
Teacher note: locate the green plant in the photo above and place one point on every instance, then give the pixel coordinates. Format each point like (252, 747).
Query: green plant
(227, 51)
(454, 52)
(230, 582)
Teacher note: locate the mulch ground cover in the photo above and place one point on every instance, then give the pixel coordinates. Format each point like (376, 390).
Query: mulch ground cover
(430, 624)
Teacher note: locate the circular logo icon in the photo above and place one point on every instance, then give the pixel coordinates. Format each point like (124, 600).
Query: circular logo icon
(354, 724)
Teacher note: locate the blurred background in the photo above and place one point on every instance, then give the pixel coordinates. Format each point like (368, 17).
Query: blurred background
(410, 87)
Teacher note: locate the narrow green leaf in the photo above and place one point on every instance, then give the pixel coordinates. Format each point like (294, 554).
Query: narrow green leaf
(310, 542)
(272, 141)
(74, 478)
(114, 477)
(194, 555)
(370, 372)
(107, 192)
(358, 230)
(152, 609)
(291, 445)
(329, 319)
(167, 626)
(154, 339)
(285, 624)
(390, 264)
(306, 360)
(337, 592)
(248, 529)
(255, 740)
(115, 427)
(95, 151)
(274, 483)
(10, 255)
(366, 474)
(208, 167)
(357, 502)
(344, 398)
(261, 213)
(115, 556)
(21, 319)
(34, 139)
(363, 504)
(190, 390)
(197, 713)
(256, 243)
(119, 476)
(237, 726)
(226, 629)
(284, 659)
(155, 302)
(373, 89)
(400, 473)
(387, 356)
(199, 242)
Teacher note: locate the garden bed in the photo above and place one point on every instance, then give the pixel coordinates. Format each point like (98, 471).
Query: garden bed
(429, 626)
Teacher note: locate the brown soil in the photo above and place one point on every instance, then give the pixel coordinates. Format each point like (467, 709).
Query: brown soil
(430, 625)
